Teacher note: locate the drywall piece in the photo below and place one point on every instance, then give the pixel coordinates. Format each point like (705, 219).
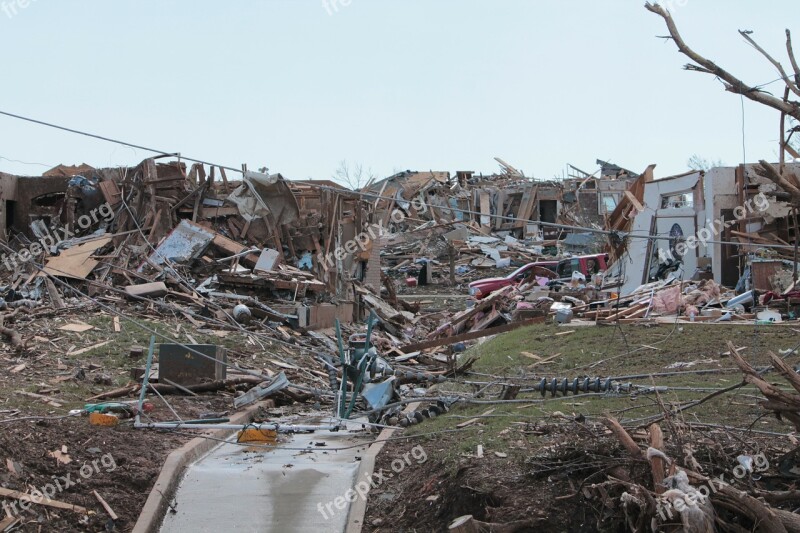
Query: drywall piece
(268, 260)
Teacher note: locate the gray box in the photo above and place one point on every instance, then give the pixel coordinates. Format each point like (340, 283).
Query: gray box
(185, 367)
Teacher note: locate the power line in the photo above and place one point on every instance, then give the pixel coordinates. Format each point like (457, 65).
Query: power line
(364, 194)
(123, 143)
(25, 162)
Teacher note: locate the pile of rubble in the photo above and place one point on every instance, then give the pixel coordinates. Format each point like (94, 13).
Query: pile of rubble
(303, 264)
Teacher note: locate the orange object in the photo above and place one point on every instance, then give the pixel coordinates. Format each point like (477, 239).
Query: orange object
(265, 436)
(103, 419)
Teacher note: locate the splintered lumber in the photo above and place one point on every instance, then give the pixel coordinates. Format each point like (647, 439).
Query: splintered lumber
(472, 421)
(105, 505)
(461, 318)
(21, 496)
(409, 348)
(627, 312)
(55, 297)
(623, 437)
(545, 360)
(116, 393)
(635, 201)
(657, 463)
(89, 348)
(7, 522)
(232, 247)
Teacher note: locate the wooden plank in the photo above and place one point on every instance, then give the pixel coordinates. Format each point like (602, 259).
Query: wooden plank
(105, 505)
(501, 200)
(8, 493)
(545, 360)
(526, 206)
(55, 297)
(472, 335)
(485, 209)
(232, 247)
(472, 421)
(89, 348)
(632, 199)
(111, 192)
(75, 262)
(224, 179)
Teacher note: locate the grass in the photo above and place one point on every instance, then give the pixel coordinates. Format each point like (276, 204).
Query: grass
(49, 357)
(607, 351)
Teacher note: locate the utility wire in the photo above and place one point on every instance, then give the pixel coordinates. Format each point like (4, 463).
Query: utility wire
(355, 193)
(123, 143)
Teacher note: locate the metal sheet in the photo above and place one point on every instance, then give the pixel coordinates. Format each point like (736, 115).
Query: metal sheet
(186, 242)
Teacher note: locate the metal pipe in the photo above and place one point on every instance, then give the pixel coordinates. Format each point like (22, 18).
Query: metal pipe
(281, 428)
(145, 379)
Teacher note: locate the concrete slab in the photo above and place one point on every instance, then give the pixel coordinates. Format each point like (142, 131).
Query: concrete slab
(292, 487)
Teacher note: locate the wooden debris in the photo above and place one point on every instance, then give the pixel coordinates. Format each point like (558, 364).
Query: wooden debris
(8, 493)
(472, 421)
(105, 505)
(76, 327)
(61, 455)
(89, 348)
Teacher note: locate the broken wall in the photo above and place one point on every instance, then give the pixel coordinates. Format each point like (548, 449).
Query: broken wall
(663, 215)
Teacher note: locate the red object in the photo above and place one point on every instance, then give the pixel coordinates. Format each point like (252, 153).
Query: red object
(586, 264)
(411, 282)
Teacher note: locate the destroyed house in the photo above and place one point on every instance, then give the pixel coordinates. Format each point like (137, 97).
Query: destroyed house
(506, 203)
(699, 225)
(168, 229)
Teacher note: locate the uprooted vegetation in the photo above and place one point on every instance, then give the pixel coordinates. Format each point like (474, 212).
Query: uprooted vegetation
(564, 464)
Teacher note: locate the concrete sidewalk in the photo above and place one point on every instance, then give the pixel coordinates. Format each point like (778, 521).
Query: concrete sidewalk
(290, 487)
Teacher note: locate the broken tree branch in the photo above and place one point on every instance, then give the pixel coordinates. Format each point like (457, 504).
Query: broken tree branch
(623, 437)
(792, 58)
(775, 62)
(732, 83)
(783, 404)
(770, 172)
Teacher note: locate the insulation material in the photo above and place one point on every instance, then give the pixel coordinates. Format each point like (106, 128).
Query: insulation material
(667, 301)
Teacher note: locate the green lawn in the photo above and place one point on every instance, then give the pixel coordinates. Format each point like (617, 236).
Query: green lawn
(608, 351)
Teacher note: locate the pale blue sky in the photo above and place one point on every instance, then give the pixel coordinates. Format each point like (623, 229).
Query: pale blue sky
(411, 84)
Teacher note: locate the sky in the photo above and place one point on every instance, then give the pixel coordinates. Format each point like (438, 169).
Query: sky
(299, 86)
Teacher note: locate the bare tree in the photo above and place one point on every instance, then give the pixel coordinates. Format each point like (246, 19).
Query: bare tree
(790, 108)
(701, 163)
(355, 176)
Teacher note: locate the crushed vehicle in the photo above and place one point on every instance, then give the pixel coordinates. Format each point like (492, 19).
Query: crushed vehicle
(588, 265)
(486, 286)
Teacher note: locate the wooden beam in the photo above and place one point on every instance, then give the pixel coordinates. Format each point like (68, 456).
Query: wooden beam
(471, 335)
(8, 493)
(632, 199)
